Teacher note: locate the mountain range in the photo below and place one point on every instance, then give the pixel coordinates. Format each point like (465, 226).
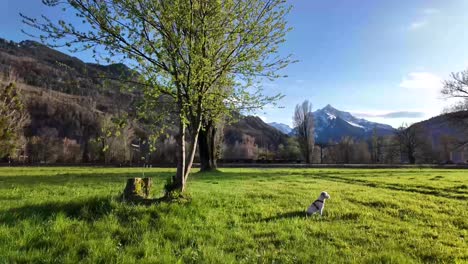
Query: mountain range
(283, 128)
(65, 97)
(332, 124)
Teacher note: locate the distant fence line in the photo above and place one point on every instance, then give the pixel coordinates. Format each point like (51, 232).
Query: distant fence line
(247, 165)
(345, 166)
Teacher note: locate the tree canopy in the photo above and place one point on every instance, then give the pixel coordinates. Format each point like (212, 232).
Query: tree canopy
(207, 55)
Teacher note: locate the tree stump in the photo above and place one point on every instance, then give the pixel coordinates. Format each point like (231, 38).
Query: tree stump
(137, 189)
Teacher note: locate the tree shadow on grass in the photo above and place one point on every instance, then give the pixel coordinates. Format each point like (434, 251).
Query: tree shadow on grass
(90, 209)
(114, 177)
(287, 215)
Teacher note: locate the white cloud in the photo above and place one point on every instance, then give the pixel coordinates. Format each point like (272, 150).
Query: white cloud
(417, 25)
(424, 19)
(422, 81)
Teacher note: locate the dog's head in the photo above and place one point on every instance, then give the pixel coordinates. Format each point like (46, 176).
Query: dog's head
(325, 195)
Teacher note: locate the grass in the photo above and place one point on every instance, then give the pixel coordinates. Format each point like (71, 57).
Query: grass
(69, 215)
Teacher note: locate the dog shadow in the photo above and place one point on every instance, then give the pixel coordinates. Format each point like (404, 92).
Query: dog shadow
(287, 215)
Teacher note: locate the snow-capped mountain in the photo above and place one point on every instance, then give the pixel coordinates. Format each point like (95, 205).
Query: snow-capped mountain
(282, 127)
(333, 124)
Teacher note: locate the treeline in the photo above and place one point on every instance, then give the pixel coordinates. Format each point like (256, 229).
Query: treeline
(408, 145)
(51, 127)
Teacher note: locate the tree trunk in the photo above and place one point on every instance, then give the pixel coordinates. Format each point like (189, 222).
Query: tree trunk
(137, 189)
(411, 158)
(207, 148)
(178, 182)
(311, 153)
(183, 165)
(193, 150)
(321, 154)
(213, 147)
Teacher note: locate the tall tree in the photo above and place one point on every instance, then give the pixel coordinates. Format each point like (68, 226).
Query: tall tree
(322, 146)
(303, 121)
(211, 134)
(391, 151)
(214, 120)
(376, 145)
(185, 49)
(345, 149)
(411, 139)
(13, 118)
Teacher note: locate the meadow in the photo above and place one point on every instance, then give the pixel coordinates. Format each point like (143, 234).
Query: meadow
(70, 215)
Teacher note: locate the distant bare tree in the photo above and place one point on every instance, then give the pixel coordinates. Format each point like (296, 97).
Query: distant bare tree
(322, 146)
(412, 142)
(447, 144)
(391, 150)
(407, 140)
(361, 153)
(303, 121)
(458, 106)
(71, 151)
(457, 86)
(246, 149)
(376, 147)
(345, 149)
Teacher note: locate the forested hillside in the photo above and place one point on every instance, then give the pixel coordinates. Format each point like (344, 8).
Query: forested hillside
(73, 106)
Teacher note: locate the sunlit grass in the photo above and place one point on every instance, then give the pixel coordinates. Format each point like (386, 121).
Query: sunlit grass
(238, 215)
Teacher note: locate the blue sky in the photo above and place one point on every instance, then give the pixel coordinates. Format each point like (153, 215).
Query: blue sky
(381, 60)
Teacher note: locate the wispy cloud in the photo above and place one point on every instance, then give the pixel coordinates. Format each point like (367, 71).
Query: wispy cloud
(422, 81)
(423, 21)
(417, 25)
(390, 115)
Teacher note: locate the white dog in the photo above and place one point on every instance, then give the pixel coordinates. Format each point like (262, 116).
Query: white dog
(319, 204)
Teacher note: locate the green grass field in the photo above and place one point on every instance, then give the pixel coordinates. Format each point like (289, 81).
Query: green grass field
(55, 215)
